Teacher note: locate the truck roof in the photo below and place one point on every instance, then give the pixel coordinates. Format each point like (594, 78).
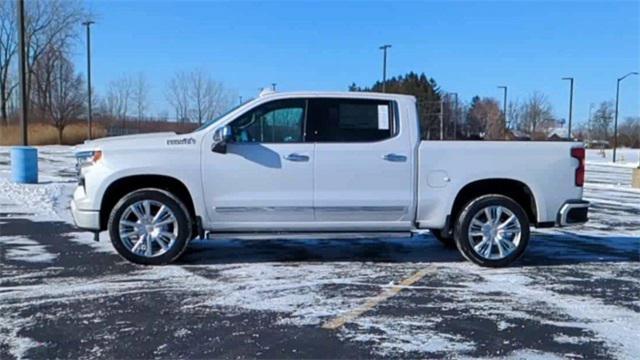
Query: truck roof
(336, 94)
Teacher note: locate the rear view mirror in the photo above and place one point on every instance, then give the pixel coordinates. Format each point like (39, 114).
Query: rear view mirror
(220, 138)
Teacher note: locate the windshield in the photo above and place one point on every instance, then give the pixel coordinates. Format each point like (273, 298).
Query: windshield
(214, 120)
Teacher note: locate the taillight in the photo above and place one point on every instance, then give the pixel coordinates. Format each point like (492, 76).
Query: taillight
(578, 153)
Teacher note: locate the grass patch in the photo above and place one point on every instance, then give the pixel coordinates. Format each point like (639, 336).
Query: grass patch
(45, 134)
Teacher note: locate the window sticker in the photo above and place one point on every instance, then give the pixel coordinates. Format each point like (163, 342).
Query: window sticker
(383, 117)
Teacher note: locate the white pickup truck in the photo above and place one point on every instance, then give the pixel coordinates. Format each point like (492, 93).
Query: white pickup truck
(324, 162)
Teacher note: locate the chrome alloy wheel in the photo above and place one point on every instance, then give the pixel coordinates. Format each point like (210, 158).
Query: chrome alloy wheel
(494, 232)
(148, 228)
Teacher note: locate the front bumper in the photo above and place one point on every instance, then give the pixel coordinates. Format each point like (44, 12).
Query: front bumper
(85, 219)
(573, 212)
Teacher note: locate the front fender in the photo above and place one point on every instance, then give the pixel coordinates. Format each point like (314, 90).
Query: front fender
(99, 177)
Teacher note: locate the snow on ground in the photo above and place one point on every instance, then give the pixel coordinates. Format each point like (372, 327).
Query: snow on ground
(625, 157)
(574, 293)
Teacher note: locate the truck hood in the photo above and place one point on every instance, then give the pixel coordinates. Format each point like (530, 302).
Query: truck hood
(119, 139)
(152, 141)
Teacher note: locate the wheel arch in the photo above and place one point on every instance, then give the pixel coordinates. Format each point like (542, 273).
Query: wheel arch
(124, 185)
(514, 189)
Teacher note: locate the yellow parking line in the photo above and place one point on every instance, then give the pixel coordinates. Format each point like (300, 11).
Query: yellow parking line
(372, 302)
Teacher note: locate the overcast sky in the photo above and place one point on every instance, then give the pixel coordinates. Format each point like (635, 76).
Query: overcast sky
(468, 47)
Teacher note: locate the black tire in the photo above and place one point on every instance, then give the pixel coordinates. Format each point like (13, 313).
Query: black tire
(464, 220)
(184, 231)
(445, 239)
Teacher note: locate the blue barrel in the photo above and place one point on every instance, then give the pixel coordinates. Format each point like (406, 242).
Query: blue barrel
(24, 164)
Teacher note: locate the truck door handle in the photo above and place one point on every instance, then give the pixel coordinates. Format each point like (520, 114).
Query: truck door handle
(395, 157)
(297, 157)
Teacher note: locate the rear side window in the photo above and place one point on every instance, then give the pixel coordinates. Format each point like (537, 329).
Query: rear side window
(349, 120)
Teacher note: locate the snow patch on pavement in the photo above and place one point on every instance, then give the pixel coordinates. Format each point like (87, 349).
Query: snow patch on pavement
(10, 326)
(617, 326)
(410, 335)
(291, 289)
(533, 355)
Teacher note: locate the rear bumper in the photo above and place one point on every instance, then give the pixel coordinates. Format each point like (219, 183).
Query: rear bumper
(85, 219)
(573, 212)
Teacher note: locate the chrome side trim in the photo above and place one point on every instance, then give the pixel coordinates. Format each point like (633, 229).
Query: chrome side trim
(263, 209)
(334, 209)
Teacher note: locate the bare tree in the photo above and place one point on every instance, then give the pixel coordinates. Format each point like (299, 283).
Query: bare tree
(601, 121)
(8, 47)
(162, 116)
(208, 97)
(49, 24)
(119, 98)
(140, 95)
(537, 115)
(485, 118)
(178, 96)
(58, 92)
(629, 132)
(196, 96)
(43, 81)
(495, 121)
(514, 114)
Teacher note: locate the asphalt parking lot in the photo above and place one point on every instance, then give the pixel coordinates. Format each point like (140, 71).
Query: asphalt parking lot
(575, 293)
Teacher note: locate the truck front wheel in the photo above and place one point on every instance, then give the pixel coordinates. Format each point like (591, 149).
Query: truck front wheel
(492, 231)
(150, 227)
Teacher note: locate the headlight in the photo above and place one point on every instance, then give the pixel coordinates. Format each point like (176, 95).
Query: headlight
(87, 158)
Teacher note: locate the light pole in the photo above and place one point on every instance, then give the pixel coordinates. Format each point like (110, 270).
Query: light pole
(22, 58)
(455, 115)
(384, 66)
(504, 105)
(615, 121)
(441, 119)
(88, 26)
(570, 105)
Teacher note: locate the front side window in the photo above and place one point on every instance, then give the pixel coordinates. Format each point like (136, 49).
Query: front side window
(349, 120)
(280, 121)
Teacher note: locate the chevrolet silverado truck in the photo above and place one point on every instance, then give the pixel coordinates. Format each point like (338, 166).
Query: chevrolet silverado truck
(340, 162)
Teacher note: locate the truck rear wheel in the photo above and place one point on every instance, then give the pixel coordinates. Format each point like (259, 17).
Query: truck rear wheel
(492, 231)
(150, 227)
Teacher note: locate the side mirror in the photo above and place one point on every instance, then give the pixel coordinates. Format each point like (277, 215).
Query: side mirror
(220, 138)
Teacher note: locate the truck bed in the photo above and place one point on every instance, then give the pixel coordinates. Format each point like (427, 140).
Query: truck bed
(446, 167)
